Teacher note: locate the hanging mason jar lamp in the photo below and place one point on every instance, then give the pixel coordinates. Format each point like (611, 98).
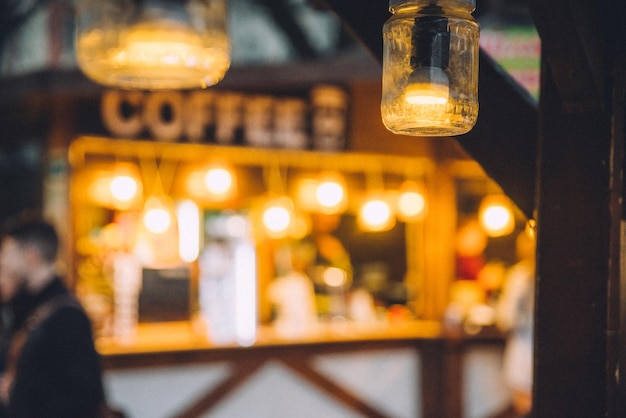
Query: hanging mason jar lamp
(152, 44)
(430, 67)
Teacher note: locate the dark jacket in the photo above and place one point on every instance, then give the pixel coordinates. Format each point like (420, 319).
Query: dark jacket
(58, 372)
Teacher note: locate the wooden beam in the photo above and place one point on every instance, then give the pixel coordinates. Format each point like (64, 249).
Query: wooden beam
(573, 37)
(505, 137)
(580, 323)
(575, 227)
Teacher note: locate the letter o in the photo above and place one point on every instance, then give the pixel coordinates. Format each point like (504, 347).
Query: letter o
(164, 130)
(113, 117)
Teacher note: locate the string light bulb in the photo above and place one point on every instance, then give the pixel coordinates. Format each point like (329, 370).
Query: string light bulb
(411, 203)
(496, 215)
(124, 188)
(157, 217)
(220, 183)
(330, 193)
(277, 216)
(376, 213)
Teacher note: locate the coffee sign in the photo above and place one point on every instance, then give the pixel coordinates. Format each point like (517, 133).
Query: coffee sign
(229, 118)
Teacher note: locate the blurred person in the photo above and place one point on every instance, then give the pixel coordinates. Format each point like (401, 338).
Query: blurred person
(328, 255)
(48, 363)
(514, 315)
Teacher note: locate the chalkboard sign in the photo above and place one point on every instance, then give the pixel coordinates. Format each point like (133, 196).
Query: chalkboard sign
(165, 295)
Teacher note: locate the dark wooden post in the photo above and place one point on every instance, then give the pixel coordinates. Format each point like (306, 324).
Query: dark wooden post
(574, 228)
(579, 192)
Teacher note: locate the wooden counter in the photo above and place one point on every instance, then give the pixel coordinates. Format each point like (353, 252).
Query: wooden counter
(179, 344)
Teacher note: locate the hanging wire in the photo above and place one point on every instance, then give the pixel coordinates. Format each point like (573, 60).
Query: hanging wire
(274, 182)
(160, 170)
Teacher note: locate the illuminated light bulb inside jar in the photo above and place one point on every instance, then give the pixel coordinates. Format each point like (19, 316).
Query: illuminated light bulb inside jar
(161, 41)
(430, 63)
(163, 47)
(155, 45)
(427, 86)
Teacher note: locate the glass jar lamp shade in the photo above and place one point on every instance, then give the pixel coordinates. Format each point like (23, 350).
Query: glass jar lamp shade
(430, 67)
(152, 44)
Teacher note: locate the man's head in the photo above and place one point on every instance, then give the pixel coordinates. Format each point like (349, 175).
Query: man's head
(27, 254)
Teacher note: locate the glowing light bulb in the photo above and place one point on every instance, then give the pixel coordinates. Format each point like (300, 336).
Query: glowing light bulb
(335, 277)
(376, 215)
(276, 218)
(496, 216)
(329, 194)
(157, 220)
(427, 86)
(430, 68)
(411, 202)
(124, 188)
(219, 182)
(157, 217)
(153, 45)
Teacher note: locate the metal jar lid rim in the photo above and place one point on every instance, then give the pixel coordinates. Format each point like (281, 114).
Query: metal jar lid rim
(393, 3)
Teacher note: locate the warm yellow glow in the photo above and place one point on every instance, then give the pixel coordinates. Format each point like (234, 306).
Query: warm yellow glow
(99, 190)
(157, 217)
(158, 42)
(157, 239)
(496, 216)
(155, 52)
(117, 186)
(300, 226)
(188, 219)
(329, 194)
(157, 220)
(219, 182)
(216, 183)
(471, 239)
(411, 202)
(124, 188)
(335, 277)
(376, 215)
(306, 194)
(278, 216)
(426, 94)
(430, 91)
